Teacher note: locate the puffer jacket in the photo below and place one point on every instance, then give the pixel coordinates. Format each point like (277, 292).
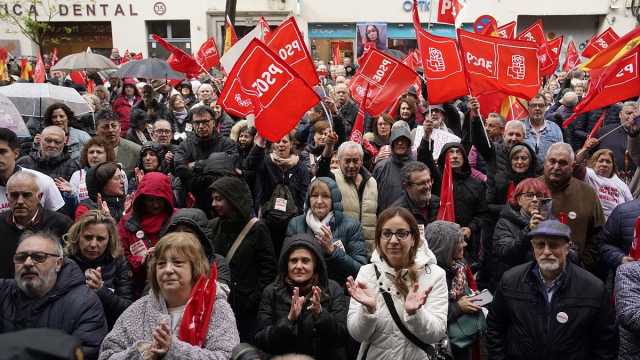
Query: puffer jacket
(378, 331)
(116, 293)
(61, 166)
(321, 337)
(627, 309)
(522, 325)
(346, 260)
(225, 124)
(617, 234)
(69, 306)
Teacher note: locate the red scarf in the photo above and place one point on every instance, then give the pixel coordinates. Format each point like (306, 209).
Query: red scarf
(197, 312)
(153, 224)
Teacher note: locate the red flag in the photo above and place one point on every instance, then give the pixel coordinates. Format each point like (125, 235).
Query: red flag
(448, 10)
(512, 109)
(40, 74)
(263, 84)
(91, 85)
(441, 62)
(208, 55)
(412, 63)
(598, 124)
(491, 63)
(266, 29)
(535, 34)
(600, 42)
(54, 56)
(4, 55)
(507, 31)
(25, 69)
(555, 46)
(387, 77)
(634, 252)
(78, 77)
(617, 82)
(335, 52)
(358, 127)
(179, 60)
(447, 211)
(125, 57)
(572, 58)
(137, 56)
(287, 41)
(194, 325)
(614, 51)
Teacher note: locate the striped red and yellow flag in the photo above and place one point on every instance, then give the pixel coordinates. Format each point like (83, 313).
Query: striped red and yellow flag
(230, 36)
(614, 52)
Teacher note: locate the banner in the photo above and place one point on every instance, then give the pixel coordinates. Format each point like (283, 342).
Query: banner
(600, 42)
(370, 35)
(208, 55)
(262, 84)
(491, 63)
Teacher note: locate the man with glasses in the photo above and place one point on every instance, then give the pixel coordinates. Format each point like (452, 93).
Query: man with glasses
(162, 133)
(540, 133)
(127, 152)
(50, 157)
(417, 197)
(551, 308)
(49, 291)
(25, 214)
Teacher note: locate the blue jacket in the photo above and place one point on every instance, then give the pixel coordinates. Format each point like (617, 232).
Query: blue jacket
(549, 135)
(342, 263)
(617, 234)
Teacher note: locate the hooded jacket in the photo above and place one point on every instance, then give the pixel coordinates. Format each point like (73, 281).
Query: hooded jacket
(388, 172)
(347, 259)
(322, 337)
(69, 306)
(378, 331)
(61, 166)
(122, 107)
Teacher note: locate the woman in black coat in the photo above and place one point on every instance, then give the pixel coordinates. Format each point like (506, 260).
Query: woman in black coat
(303, 311)
(93, 243)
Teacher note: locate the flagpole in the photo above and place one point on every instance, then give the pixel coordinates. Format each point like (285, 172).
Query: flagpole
(610, 132)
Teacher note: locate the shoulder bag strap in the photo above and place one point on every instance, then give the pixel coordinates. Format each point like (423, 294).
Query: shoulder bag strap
(238, 241)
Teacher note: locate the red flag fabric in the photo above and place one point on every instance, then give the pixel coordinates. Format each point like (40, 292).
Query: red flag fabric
(335, 53)
(634, 252)
(510, 189)
(91, 85)
(447, 210)
(512, 109)
(491, 63)
(263, 84)
(572, 58)
(535, 34)
(137, 56)
(413, 64)
(448, 10)
(617, 82)
(600, 42)
(197, 312)
(208, 55)
(358, 127)
(179, 60)
(287, 41)
(387, 77)
(4, 55)
(266, 30)
(555, 46)
(507, 31)
(125, 57)
(614, 51)
(441, 63)
(491, 102)
(78, 77)
(598, 125)
(54, 56)
(40, 74)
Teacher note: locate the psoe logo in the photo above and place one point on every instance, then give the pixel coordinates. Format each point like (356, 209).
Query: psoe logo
(602, 44)
(436, 60)
(244, 103)
(517, 68)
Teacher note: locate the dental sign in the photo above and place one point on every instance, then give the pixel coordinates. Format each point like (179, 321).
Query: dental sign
(69, 10)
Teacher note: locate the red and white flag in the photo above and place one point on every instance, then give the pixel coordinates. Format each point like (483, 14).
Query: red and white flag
(261, 83)
(266, 30)
(491, 63)
(535, 34)
(507, 31)
(572, 58)
(447, 210)
(412, 60)
(39, 74)
(600, 42)
(555, 46)
(386, 77)
(179, 60)
(358, 127)
(54, 56)
(287, 41)
(448, 10)
(208, 55)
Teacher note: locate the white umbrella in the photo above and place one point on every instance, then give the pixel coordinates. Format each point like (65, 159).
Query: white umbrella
(10, 118)
(85, 60)
(33, 99)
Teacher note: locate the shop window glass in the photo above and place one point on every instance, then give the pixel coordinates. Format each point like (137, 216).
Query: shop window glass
(180, 29)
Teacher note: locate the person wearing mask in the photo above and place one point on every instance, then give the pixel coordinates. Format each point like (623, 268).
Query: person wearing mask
(550, 308)
(246, 244)
(108, 127)
(417, 197)
(388, 172)
(105, 191)
(403, 277)
(93, 243)
(25, 214)
(50, 158)
(62, 116)
(380, 132)
(54, 285)
(574, 202)
(123, 104)
(627, 303)
(151, 327)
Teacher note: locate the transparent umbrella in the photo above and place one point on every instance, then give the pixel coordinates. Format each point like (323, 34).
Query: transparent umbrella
(10, 118)
(32, 99)
(85, 60)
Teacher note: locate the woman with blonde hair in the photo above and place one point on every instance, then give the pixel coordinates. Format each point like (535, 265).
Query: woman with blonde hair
(93, 243)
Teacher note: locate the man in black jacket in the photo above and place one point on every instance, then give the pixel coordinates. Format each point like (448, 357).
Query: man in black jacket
(417, 197)
(49, 291)
(51, 157)
(550, 308)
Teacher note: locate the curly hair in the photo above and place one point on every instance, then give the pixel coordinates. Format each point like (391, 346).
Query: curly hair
(96, 141)
(53, 107)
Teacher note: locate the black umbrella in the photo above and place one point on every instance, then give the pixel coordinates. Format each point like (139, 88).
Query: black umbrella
(151, 68)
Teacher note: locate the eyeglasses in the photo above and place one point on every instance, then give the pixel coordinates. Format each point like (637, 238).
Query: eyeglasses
(531, 195)
(551, 244)
(400, 234)
(37, 257)
(162, 131)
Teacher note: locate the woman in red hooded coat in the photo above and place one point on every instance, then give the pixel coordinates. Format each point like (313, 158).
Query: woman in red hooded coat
(123, 104)
(139, 229)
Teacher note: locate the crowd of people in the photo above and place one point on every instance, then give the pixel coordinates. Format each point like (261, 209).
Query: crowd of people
(164, 227)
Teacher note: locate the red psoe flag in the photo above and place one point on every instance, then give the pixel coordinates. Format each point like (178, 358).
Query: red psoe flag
(266, 30)
(287, 41)
(208, 55)
(448, 11)
(441, 63)
(262, 84)
(179, 59)
(618, 81)
(572, 58)
(555, 46)
(535, 34)
(600, 42)
(491, 63)
(358, 126)
(507, 31)
(197, 312)
(447, 211)
(39, 75)
(387, 78)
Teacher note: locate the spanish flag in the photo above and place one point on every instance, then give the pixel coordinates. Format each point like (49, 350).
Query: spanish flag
(512, 109)
(4, 72)
(615, 51)
(230, 37)
(25, 69)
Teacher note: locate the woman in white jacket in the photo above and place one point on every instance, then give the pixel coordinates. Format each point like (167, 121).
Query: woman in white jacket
(407, 271)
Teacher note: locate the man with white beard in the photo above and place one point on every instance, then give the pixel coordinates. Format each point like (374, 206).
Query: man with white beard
(551, 308)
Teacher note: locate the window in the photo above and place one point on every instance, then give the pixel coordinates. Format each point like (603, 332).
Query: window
(176, 32)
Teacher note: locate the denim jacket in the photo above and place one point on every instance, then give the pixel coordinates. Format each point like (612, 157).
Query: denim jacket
(541, 141)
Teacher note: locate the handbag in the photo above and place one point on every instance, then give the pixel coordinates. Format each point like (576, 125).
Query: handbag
(464, 331)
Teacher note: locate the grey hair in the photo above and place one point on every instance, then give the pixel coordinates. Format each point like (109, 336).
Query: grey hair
(632, 104)
(516, 123)
(412, 167)
(24, 175)
(499, 117)
(46, 235)
(349, 145)
(564, 147)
